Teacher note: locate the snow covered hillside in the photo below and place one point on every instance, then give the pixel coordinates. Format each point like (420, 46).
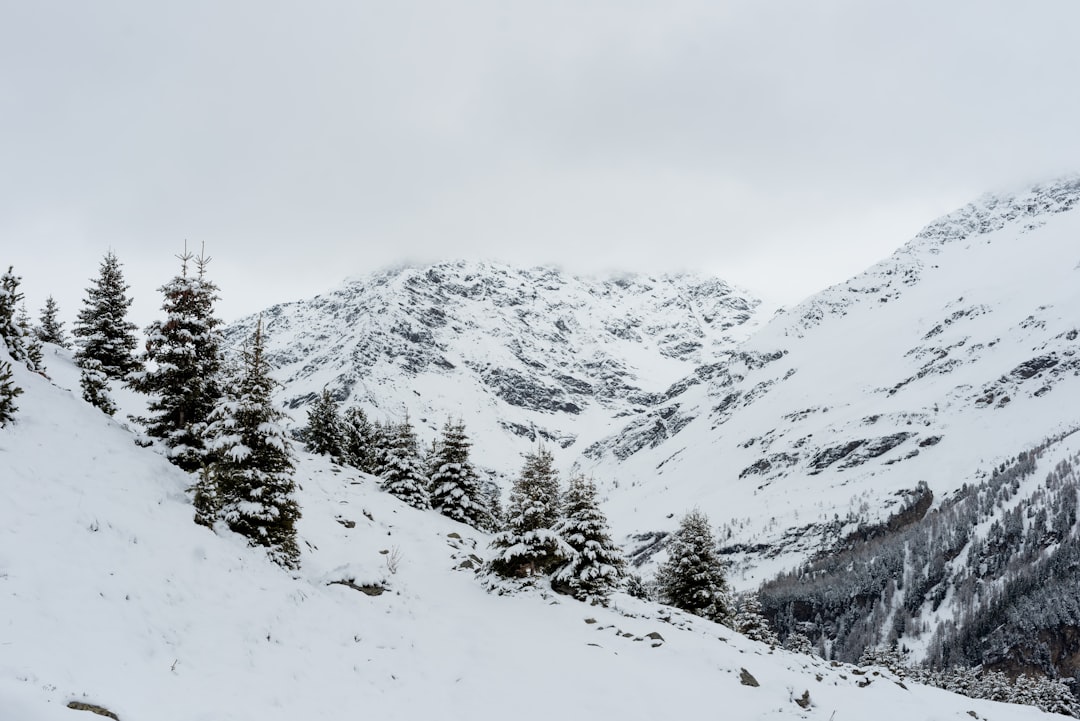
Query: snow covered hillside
(111, 597)
(954, 354)
(518, 354)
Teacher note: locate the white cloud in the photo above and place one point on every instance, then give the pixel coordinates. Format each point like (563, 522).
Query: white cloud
(307, 143)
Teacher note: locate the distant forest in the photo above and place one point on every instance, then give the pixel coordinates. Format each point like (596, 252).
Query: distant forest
(989, 578)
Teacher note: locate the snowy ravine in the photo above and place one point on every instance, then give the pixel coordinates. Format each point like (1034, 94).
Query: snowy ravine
(111, 596)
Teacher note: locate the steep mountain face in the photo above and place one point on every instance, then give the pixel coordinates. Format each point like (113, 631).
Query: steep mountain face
(957, 352)
(520, 355)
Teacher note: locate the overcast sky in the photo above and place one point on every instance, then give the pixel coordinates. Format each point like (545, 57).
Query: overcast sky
(783, 146)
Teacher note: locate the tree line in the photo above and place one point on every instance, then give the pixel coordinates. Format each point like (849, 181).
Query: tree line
(211, 418)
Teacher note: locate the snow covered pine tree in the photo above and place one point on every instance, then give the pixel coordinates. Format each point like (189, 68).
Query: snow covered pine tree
(693, 576)
(95, 386)
(358, 449)
(14, 331)
(186, 347)
(10, 336)
(456, 491)
(249, 482)
(596, 567)
(105, 338)
(50, 328)
(102, 331)
(324, 433)
(528, 546)
(8, 393)
(34, 358)
(750, 621)
(402, 471)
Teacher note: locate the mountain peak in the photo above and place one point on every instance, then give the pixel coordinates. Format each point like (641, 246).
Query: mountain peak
(521, 354)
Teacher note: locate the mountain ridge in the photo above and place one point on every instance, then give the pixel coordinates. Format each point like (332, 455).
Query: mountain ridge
(887, 379)
(544, 355)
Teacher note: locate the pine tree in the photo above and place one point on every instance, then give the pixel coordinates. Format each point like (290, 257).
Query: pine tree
(455, 487)
(8, 392)
(528, 546)
(596, 567)
(10, 331)
(798, 642)
(431, 458)
(186, 348)
(14, 324)
(693, 576)
(35, 359)
(751, 622)
(325, 433)
(102, 331)
(357, 439)
(95, 386)
(380, 443)
(50, 328)
(492, 496)
(249, 480)
(636, 587)
(403, 471)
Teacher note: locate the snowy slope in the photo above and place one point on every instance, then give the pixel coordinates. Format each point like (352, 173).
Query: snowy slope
(519, 354)
(954, 353)
(110, 595)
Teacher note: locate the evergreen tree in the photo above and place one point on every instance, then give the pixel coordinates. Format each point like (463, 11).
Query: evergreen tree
(635, 586)
(357, 440)
(14, 325)
(492, 495)
(249, 481)
(325, 433)
(798, 642)
(8, 393)
(34, 357)
(402, 471)
(596, 567)
(751, 622)
(51, 328)
(102, 331)
(95, 386)
(455, 487)
(431, 458)
(528, 546)
(9, 302)
(380, 443)
(186, 349)
(693, 576)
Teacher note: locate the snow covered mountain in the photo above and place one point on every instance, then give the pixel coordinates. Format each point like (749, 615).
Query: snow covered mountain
(519, 355)
(953, 355)
(874, 409)
(112, 600)
(950, 356)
